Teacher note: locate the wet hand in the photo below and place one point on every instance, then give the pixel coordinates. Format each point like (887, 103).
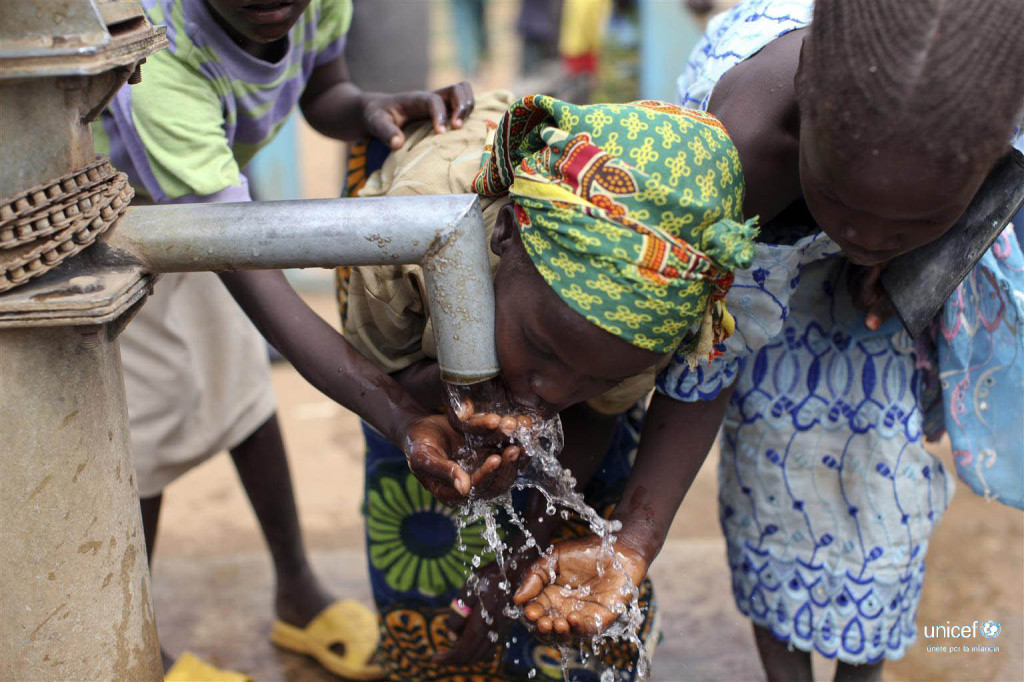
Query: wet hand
(488, 432)
(868, 295)
(384, 115)
(431, 446)
(577, 591)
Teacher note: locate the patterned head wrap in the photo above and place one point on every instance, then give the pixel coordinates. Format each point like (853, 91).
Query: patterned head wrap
(630, 212)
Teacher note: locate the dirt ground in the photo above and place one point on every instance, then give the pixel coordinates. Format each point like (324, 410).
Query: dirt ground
(213, 581)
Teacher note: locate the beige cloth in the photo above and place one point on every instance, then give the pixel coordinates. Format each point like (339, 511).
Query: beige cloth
(196, 377)
(386, 316)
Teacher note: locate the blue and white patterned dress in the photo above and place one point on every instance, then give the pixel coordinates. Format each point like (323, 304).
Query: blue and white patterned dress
(827, 495)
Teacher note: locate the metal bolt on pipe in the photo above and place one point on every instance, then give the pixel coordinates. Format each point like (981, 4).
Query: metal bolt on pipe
(444, 234)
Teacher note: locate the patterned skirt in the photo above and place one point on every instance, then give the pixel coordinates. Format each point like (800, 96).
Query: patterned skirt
(417, 567)
(827, 495)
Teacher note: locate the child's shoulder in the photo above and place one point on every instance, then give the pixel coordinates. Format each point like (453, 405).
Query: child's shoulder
(733, 37)
(333, 19)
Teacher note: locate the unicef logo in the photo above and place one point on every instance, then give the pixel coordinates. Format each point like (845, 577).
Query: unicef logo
(990, 629)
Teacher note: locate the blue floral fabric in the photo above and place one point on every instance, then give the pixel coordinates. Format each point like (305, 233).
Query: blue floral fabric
(980, 351)
(734, 35)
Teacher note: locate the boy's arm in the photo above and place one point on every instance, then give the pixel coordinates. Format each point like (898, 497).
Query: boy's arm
(336, 107)
(325, 359)
(319, 353)
(181, 153)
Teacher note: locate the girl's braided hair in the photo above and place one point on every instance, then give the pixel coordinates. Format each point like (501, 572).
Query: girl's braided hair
(948, 72)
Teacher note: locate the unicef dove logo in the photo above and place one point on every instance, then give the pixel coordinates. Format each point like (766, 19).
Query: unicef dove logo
(990, 629)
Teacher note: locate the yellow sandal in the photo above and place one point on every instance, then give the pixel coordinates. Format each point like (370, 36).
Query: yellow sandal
(190, 668)
(346, 622)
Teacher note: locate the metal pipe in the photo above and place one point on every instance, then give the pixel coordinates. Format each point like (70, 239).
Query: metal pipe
(443, 234)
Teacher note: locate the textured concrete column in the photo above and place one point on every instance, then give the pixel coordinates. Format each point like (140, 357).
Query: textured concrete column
(74, 584)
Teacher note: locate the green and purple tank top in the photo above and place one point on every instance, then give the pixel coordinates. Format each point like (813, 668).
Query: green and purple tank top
(205, 106)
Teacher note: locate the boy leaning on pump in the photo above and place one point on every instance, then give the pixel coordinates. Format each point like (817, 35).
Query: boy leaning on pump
(196, 372)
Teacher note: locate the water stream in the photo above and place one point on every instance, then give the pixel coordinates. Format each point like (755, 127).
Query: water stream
(541, 441)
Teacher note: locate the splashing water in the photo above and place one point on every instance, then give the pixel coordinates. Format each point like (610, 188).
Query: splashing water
(541, 441)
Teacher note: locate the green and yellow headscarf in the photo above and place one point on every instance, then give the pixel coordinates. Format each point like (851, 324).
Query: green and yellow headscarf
(632, 213)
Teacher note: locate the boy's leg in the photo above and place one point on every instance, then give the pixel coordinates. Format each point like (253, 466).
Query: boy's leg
(868, 672)
(781, 664)
(150, 520)
(263, 469)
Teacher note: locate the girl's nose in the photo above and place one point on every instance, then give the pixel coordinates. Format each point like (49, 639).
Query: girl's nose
(550, 391)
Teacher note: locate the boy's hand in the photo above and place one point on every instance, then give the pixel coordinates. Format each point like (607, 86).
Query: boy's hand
(431, 446)
(384, 115)
(576, 592)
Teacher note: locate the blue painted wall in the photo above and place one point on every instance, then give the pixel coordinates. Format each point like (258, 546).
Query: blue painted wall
(275, 172)
(668, 34)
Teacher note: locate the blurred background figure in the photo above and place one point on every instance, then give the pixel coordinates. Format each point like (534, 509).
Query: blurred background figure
(470, 33)
(538, 28)
(584, 24)
(618, 73)
(377, 27)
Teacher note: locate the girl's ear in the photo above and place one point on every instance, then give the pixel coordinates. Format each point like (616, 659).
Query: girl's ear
(504, 230)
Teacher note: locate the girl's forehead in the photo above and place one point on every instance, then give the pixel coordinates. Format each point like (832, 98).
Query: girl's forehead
(566, 334)
(896, 180)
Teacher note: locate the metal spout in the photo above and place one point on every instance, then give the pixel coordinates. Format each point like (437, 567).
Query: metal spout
(443, 234)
